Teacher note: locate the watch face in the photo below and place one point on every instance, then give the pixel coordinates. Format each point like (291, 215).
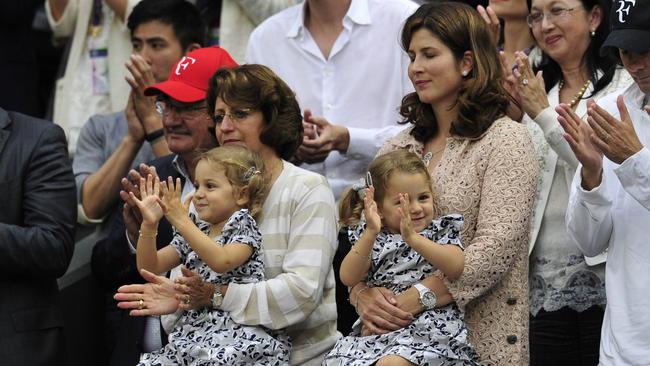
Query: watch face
(217, 299)
(429, 299)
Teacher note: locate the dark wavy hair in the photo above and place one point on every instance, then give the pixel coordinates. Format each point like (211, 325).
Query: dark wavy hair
(258, 88)
(481, 98)
(607, 63)
(184, 18)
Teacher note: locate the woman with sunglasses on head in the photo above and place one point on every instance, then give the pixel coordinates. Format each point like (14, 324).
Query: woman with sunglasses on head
(482, 166)
(254, 108)
(567, 290)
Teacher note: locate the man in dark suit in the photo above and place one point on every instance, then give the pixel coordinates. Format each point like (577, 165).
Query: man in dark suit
(37, 222)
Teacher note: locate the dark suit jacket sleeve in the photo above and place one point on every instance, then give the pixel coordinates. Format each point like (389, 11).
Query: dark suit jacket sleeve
(41, 247)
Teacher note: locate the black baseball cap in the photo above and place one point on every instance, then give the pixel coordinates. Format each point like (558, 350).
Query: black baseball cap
(630, 21)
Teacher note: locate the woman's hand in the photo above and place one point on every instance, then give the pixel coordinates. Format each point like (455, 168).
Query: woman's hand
(578, 135)
(378, 311)
(154, 298)
(174, 209)
(529, 86)
(373, 220)
(149, 201)
(192, 292)
(514, 110)
(405, 225)
(492, 21)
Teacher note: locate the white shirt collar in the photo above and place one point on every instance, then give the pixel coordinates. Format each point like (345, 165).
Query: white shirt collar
(358, 13)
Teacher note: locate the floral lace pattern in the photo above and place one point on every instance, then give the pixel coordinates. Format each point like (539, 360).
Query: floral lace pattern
(491, 181)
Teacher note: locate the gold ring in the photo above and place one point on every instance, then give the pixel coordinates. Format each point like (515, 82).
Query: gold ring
(140, 304)
(606, 138)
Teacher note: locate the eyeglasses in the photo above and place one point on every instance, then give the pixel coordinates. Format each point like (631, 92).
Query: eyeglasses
(534, 19)
(236, 115)
(166, 107)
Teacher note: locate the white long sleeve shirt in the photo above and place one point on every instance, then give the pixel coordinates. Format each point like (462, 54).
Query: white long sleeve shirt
(360, 85)
(616, 215)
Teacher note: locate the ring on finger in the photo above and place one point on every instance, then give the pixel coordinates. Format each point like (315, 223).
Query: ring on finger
(140, 304)
(524, 81)
(606, 138)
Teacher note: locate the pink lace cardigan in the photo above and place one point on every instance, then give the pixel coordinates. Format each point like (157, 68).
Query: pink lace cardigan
(491, 181)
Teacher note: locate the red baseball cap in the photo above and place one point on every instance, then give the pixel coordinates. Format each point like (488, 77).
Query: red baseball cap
(188, 81)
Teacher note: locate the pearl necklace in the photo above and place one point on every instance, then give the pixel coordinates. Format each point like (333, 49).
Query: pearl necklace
(578, 95)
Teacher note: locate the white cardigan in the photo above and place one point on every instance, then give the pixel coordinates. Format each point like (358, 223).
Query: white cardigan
(550, 145)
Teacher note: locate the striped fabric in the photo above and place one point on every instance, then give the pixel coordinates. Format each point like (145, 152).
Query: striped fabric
(298, 228)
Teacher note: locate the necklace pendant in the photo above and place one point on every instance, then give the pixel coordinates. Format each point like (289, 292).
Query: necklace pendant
(427, 157)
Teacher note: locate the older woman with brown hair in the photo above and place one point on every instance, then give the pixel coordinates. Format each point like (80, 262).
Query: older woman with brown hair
(482, 166)
(254, 108)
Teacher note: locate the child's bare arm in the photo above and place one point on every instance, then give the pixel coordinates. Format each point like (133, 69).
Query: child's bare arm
(355, 265)
(447, 258)
(146, 256)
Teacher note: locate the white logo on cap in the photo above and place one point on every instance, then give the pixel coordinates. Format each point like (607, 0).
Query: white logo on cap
(624, 9)
(184, 63)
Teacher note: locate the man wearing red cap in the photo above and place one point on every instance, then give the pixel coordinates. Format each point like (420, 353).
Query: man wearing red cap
(609, 205)
(187, 130)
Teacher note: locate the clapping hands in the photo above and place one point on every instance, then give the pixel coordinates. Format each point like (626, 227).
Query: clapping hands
(149, 201)
(174, 209)
(373, 220)
(406, 225)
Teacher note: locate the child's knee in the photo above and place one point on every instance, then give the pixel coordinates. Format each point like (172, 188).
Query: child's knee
(393, 360)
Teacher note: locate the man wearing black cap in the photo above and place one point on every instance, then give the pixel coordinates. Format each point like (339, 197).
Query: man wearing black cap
(609, 206)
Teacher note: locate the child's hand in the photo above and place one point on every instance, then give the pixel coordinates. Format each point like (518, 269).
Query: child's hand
(171, 203)
(406, 225)
(373, 220)
(148, 203)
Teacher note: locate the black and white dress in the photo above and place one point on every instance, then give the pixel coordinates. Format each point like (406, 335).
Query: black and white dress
(435, 337)
(209, 336)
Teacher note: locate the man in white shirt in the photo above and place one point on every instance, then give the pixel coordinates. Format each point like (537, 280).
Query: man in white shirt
(609, 206)
(343, 60)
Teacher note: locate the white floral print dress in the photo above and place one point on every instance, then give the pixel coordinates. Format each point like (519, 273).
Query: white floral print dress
(209, 336)
(435, 337)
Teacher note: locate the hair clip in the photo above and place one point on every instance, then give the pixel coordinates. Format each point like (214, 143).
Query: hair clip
(250, 173)
(362, 185)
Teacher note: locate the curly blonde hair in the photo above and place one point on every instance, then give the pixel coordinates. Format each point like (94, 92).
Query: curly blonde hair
(244, 170)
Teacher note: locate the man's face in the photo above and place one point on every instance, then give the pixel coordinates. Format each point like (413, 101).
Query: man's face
(638, 65)
(157, 44)
(187, 126)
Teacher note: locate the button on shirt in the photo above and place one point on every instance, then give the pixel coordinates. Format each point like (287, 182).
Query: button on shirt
(616, 215)
(360, 85)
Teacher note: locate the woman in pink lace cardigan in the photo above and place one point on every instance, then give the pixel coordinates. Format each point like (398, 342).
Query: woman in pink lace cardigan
(483, 166)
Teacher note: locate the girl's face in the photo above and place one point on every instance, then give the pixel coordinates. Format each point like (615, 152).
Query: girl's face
(421, 207)
(561, 28)
(433, 70)
(215, 198)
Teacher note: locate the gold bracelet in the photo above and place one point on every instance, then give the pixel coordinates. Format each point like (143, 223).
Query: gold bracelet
(148, 235)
